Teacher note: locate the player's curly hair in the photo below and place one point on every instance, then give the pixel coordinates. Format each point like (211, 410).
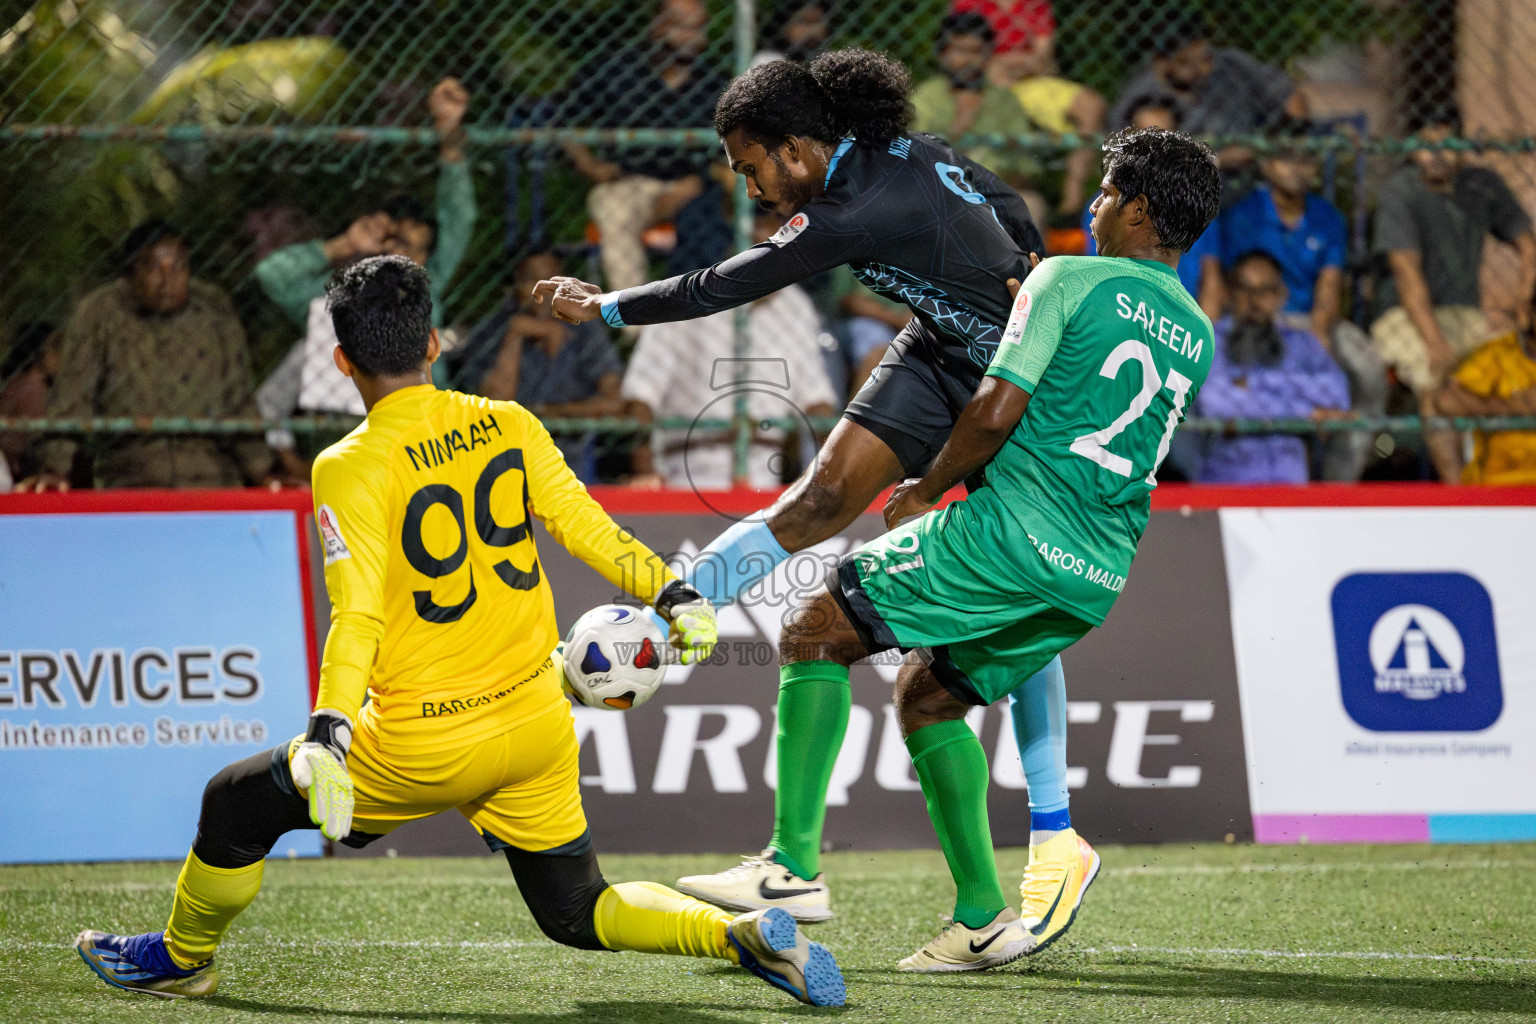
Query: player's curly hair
(1176, 173)
(382, 310)
(845, 92)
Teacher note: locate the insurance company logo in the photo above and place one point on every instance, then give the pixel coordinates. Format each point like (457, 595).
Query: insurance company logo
(1417, 652)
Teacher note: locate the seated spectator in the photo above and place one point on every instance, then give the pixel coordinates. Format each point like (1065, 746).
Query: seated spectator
(661, 83)
(1200, 267)
(796, 31)
(554, 369)
(1284, 217)
(1026, 34)
(294, 277)
(1499, 379)
(687, 370)
(155, 342)
(1024, 61)
(1264, 368)
(25, 377)
(1431, 222)
(1218, 91)
(960, 101)
(1306, 233)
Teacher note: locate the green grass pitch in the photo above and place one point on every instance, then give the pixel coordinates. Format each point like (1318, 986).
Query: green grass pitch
(1199, 933)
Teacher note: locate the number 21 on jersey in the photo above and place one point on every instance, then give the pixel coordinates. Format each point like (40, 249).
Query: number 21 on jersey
(1093, 446)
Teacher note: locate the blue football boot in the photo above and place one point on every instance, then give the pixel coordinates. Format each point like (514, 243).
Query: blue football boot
(141, 963)
(772, 947)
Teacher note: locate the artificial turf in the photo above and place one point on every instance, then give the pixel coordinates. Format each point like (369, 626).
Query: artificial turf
(1197, 933)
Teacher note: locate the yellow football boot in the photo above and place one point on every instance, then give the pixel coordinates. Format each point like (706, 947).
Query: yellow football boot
(1059, 874)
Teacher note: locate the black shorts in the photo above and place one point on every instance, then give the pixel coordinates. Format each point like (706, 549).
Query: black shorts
(915, 395)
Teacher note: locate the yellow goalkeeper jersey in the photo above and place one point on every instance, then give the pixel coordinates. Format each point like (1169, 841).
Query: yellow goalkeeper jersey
(440, 609)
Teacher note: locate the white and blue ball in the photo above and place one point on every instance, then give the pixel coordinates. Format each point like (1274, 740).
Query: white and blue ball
(613, 658)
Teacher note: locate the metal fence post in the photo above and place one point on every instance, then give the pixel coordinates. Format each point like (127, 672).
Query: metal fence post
(746, 46)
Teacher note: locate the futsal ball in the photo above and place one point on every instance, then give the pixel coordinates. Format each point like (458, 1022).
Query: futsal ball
(613, 658)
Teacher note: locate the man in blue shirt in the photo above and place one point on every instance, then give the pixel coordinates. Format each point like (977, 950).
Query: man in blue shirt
(1304, 232)
(1264, 367)
(1308, 237)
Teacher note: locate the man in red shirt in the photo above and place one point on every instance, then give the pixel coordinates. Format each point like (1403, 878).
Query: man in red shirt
(1024, 60)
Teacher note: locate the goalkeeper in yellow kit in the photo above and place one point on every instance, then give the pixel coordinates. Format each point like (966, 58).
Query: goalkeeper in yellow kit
(442, 616)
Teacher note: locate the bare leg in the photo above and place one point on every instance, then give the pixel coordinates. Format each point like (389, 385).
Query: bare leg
(819, 631)
(921, 700)
(853, 467)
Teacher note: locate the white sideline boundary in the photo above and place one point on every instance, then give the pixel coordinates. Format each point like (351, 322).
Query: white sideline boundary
(1153, 870)
(1190, 951)
(1287, 954)
(1320, 868)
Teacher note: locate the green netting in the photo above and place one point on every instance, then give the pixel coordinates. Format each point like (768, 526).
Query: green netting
(256, 123)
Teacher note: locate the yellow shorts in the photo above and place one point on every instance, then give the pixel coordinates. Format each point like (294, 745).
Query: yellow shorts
(522, 786)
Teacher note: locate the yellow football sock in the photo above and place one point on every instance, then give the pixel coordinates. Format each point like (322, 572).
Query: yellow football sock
(651, 918)
(207, 900)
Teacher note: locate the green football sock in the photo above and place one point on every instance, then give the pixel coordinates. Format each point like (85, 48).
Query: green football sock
(952, 768)
(813, 715)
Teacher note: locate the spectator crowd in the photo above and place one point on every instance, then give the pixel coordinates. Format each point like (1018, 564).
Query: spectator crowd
(1309, 323)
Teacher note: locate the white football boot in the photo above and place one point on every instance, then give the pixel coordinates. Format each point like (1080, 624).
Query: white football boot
(757, 883)
(959, 948)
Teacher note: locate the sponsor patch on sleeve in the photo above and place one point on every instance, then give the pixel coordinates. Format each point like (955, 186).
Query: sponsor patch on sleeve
(791, 230)
(1019, 317)
(330, 535)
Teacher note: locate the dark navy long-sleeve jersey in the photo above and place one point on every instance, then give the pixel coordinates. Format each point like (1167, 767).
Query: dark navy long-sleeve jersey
(915, 220)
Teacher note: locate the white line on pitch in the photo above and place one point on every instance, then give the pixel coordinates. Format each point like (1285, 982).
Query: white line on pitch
(273, 885)
(329, 943)
(1117, 950)
(1321, 868)
(1264, 869)
(1307, 955)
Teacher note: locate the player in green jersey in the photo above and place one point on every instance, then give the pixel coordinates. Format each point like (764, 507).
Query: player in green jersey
(1101, 359)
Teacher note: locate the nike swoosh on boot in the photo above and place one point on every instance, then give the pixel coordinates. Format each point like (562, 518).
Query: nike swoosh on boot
(769, 893)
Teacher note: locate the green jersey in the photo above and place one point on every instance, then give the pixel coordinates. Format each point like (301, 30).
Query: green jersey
(1113, 352)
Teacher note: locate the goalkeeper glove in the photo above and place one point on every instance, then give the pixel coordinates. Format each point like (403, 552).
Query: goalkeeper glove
(320, 766)
(692, 619)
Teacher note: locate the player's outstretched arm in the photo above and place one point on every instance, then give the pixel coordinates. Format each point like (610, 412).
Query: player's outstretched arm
(584, 528)
(821, 236)
(995, 409)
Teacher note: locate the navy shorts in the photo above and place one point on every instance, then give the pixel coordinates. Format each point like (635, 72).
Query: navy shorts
(912, 399)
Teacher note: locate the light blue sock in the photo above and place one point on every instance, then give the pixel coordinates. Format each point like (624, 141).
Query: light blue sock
(1039, 707)
(733, 561)
(738, 558)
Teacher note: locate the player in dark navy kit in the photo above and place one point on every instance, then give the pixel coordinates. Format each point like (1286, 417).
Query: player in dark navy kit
(825, 146)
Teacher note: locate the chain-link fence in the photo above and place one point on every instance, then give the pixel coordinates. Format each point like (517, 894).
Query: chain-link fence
(280, 137)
